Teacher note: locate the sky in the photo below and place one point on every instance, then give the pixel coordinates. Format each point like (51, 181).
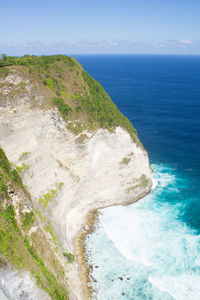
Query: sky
(100, 27)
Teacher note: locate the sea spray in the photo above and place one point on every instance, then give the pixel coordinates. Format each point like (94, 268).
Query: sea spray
(146, 250)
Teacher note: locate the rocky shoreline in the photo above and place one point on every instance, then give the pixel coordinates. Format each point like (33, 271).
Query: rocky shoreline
(92, 219)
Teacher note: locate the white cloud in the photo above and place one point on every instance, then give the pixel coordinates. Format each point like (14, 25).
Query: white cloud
(186, 42)
(114, 43)
(182, 46)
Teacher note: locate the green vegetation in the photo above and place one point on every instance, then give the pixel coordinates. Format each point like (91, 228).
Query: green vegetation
(77, 126)
(83, 104)
(4, 72)
(24, 155)
(39, 214)
(28, 60)
(48, 81)
(16, 248)
(10, 237)
(53, 288)
(23, 86)
(27, 219)
(58, 93)
(100, 107)
(78, 108)
(50, 230)
(4, 163)
(81, 100)
(3, 187)
(46, 198)
(10, 174)
(60, 185)
(22, 167)
(143, 181)
(9, 214)
(21, 255)
(63, 107)
(69, 256)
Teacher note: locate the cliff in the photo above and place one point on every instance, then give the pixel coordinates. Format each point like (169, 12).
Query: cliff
(74, 150)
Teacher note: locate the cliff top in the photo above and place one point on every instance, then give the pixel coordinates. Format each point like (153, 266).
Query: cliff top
(67, 176)
(61, 81)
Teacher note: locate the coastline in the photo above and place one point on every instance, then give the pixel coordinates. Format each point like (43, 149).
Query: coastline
(91, 220)
(77, 166)
(98, 173)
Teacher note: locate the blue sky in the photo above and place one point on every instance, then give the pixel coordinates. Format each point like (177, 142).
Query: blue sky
(100, 26)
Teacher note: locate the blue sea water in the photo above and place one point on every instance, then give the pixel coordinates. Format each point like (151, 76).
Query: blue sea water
(154, 251)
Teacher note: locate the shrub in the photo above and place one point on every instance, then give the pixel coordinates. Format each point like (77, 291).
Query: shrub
(46, 198)
(28, 219)
(10, 215)
(22, 168)
(63, 107)
(3, 187)
(4, 72)
(50, 83)
(58, 93)
(4, 163)
(69, 256)
(100, 107)
(16, 178)
(24, 155)
(78, 108)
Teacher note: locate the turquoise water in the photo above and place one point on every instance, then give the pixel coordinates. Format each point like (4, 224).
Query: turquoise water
(151, 249)
(151, 253)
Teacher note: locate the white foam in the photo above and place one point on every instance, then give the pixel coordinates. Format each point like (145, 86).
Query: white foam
(183, 287)
(154, 183)
(148, 241)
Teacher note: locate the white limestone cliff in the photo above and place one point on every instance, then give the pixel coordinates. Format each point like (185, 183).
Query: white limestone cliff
(78, 173)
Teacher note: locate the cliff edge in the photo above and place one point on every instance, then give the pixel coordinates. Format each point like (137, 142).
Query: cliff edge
(73, 149)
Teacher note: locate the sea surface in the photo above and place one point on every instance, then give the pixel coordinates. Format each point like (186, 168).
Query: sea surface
(151, 249)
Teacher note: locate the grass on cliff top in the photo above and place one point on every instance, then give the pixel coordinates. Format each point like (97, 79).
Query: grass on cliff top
(101, 108)
(28, 60)
(81, 100)
(19, 249)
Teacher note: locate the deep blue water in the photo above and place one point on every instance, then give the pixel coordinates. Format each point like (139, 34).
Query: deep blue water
(160, 249)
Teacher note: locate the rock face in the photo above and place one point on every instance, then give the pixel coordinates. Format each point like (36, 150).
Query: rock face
(105, 169)
(13, 286)
(68, 175)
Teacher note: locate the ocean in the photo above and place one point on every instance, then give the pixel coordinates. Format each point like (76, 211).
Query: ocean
(151, 249)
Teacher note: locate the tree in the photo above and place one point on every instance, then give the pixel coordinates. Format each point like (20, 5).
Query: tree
(3, 56)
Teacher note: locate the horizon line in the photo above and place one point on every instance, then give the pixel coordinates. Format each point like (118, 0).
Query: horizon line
(124, 54)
